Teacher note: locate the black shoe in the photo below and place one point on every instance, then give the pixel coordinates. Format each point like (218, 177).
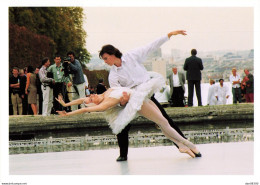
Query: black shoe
(198, 154)
(121, 158)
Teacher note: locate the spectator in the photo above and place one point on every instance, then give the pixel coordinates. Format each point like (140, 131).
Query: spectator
(77, 79)
(222, 93)
(91, 90)
(249, 83)
(14, 83)
(39, 90)
(31, 89)
(60, 81)
(87, 92)
(236, 89)
(46, 87)
(24, 96)
(177, 89)
(212, 100)
(193, 65)
(101, 87)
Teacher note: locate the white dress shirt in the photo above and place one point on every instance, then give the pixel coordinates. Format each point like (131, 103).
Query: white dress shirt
(234, 78)
(222, 93)
(132, 72)
(176, 81)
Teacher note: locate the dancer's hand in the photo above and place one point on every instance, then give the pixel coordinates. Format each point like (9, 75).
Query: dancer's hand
(62, 113)
(177, 32)
(124, 99)
(60, 100)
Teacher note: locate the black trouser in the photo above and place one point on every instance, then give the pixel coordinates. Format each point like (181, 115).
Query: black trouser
(58, 89)
(191, 84)
(177, 97)
(123, 136)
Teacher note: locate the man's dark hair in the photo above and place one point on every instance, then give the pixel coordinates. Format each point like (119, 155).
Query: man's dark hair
(221, 79)
(30, 69)
(111, 50)
(100, 80)
(44, 60)
(57, 56)
(71, 53)
(16, 68)
(193, 52)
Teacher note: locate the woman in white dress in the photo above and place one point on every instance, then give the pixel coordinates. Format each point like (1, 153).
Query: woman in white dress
(139, 103)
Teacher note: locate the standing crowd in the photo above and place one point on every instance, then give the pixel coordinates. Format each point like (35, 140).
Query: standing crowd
(33, 91)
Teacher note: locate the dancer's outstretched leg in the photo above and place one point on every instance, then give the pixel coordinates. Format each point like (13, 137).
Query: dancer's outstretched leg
(150, 111)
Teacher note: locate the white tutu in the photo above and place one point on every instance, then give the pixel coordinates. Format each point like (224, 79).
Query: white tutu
(119, 117)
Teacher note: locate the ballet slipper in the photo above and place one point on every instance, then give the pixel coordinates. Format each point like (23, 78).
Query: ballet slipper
(187, 151)
(193, 148)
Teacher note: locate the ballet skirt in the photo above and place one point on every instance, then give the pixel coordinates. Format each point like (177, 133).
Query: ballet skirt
(119, 117)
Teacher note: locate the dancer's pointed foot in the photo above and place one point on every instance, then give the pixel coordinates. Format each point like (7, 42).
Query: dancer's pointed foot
(184, 149)
(193, 148)
(197, 155)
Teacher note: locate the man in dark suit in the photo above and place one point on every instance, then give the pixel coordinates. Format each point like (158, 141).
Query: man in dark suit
(101, 87)
(177, 89)
(193, 65)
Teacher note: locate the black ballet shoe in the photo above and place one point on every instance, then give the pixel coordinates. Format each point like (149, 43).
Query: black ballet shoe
(197, 155)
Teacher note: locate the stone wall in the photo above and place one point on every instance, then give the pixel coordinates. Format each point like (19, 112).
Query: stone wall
(186, 115)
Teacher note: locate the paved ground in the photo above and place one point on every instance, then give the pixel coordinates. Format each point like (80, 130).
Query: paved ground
(218, 159)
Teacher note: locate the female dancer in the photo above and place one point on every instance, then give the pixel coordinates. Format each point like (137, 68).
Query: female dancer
(139, 102)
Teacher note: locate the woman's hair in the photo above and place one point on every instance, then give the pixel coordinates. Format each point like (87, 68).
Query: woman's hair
(212, 81)
(30, 69)
(111, 50)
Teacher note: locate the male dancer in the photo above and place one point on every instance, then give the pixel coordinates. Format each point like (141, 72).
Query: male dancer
(127, 71)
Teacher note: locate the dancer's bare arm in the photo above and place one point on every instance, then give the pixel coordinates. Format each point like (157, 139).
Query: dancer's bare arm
(74, 102)
(108, 103)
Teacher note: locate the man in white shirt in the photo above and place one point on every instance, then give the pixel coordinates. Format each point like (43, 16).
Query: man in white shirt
(236, 88)
(47, 91)
(177, 89)
(128, 71)
(222, 92)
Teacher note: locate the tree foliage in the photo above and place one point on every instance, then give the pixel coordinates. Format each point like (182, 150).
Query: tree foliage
(62, 27)
(27, 48)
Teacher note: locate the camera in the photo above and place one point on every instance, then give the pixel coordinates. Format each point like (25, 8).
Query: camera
(66, 59)
(65, 66)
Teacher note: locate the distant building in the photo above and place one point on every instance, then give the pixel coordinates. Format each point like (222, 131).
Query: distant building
(251, 54)
(159, 65)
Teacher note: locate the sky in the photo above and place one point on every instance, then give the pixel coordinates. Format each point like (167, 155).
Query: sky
(208, 28)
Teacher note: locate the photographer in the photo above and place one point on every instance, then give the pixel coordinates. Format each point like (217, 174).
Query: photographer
(47, 91)
(60, 81)
(77, 79)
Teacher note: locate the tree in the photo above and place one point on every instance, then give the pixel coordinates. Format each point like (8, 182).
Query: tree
(27, 48)
(62, 25)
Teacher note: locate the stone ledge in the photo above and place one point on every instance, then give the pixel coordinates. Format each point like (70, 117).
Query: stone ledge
(184, 115)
